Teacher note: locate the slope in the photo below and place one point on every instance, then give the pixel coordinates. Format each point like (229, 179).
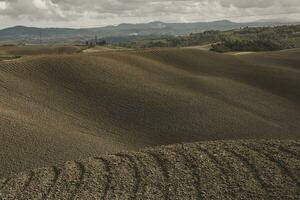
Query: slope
(55, 108)
(207, 170)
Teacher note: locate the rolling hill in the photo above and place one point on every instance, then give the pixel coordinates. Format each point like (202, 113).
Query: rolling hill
(60, 107)
(22, 34)
(207, 170)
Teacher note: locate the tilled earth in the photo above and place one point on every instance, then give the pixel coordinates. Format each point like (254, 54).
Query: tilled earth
(57, 107)
(261, 169)
(57, 104)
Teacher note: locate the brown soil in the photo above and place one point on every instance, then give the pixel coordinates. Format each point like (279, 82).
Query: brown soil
(206, 170)
(55, 108)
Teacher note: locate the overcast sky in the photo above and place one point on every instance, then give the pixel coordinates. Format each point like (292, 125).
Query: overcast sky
(89, 13)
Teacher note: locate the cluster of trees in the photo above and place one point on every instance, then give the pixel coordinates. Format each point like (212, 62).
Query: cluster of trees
(259, 39)
(173, 41)
(243, 39)
(195, 39)
(228, 44)
(96, 42)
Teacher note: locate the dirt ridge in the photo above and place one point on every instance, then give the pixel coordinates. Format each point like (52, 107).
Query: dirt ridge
(258, 159)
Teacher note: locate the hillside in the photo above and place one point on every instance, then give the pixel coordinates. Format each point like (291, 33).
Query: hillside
(206, 170)
(11, 52)
(62, 107)
(22, 34)
(267, 38)
(31, 50)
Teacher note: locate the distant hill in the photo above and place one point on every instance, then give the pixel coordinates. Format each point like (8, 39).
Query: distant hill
(268, 38)
(22, 34)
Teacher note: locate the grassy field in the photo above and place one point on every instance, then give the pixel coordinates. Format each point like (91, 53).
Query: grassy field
(206, 170)
(59, 104)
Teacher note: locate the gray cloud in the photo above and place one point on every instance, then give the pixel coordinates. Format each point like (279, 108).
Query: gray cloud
(103, 12)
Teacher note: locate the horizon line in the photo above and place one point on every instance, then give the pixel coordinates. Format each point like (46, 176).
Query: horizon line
(116, 25)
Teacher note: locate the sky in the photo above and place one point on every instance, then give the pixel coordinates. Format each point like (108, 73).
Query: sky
(95, 13)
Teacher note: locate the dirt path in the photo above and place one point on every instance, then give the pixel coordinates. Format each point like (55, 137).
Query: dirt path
(200, 47)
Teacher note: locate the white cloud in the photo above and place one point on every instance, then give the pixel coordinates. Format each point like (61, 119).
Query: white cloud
(41, 4)
(3, 5)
